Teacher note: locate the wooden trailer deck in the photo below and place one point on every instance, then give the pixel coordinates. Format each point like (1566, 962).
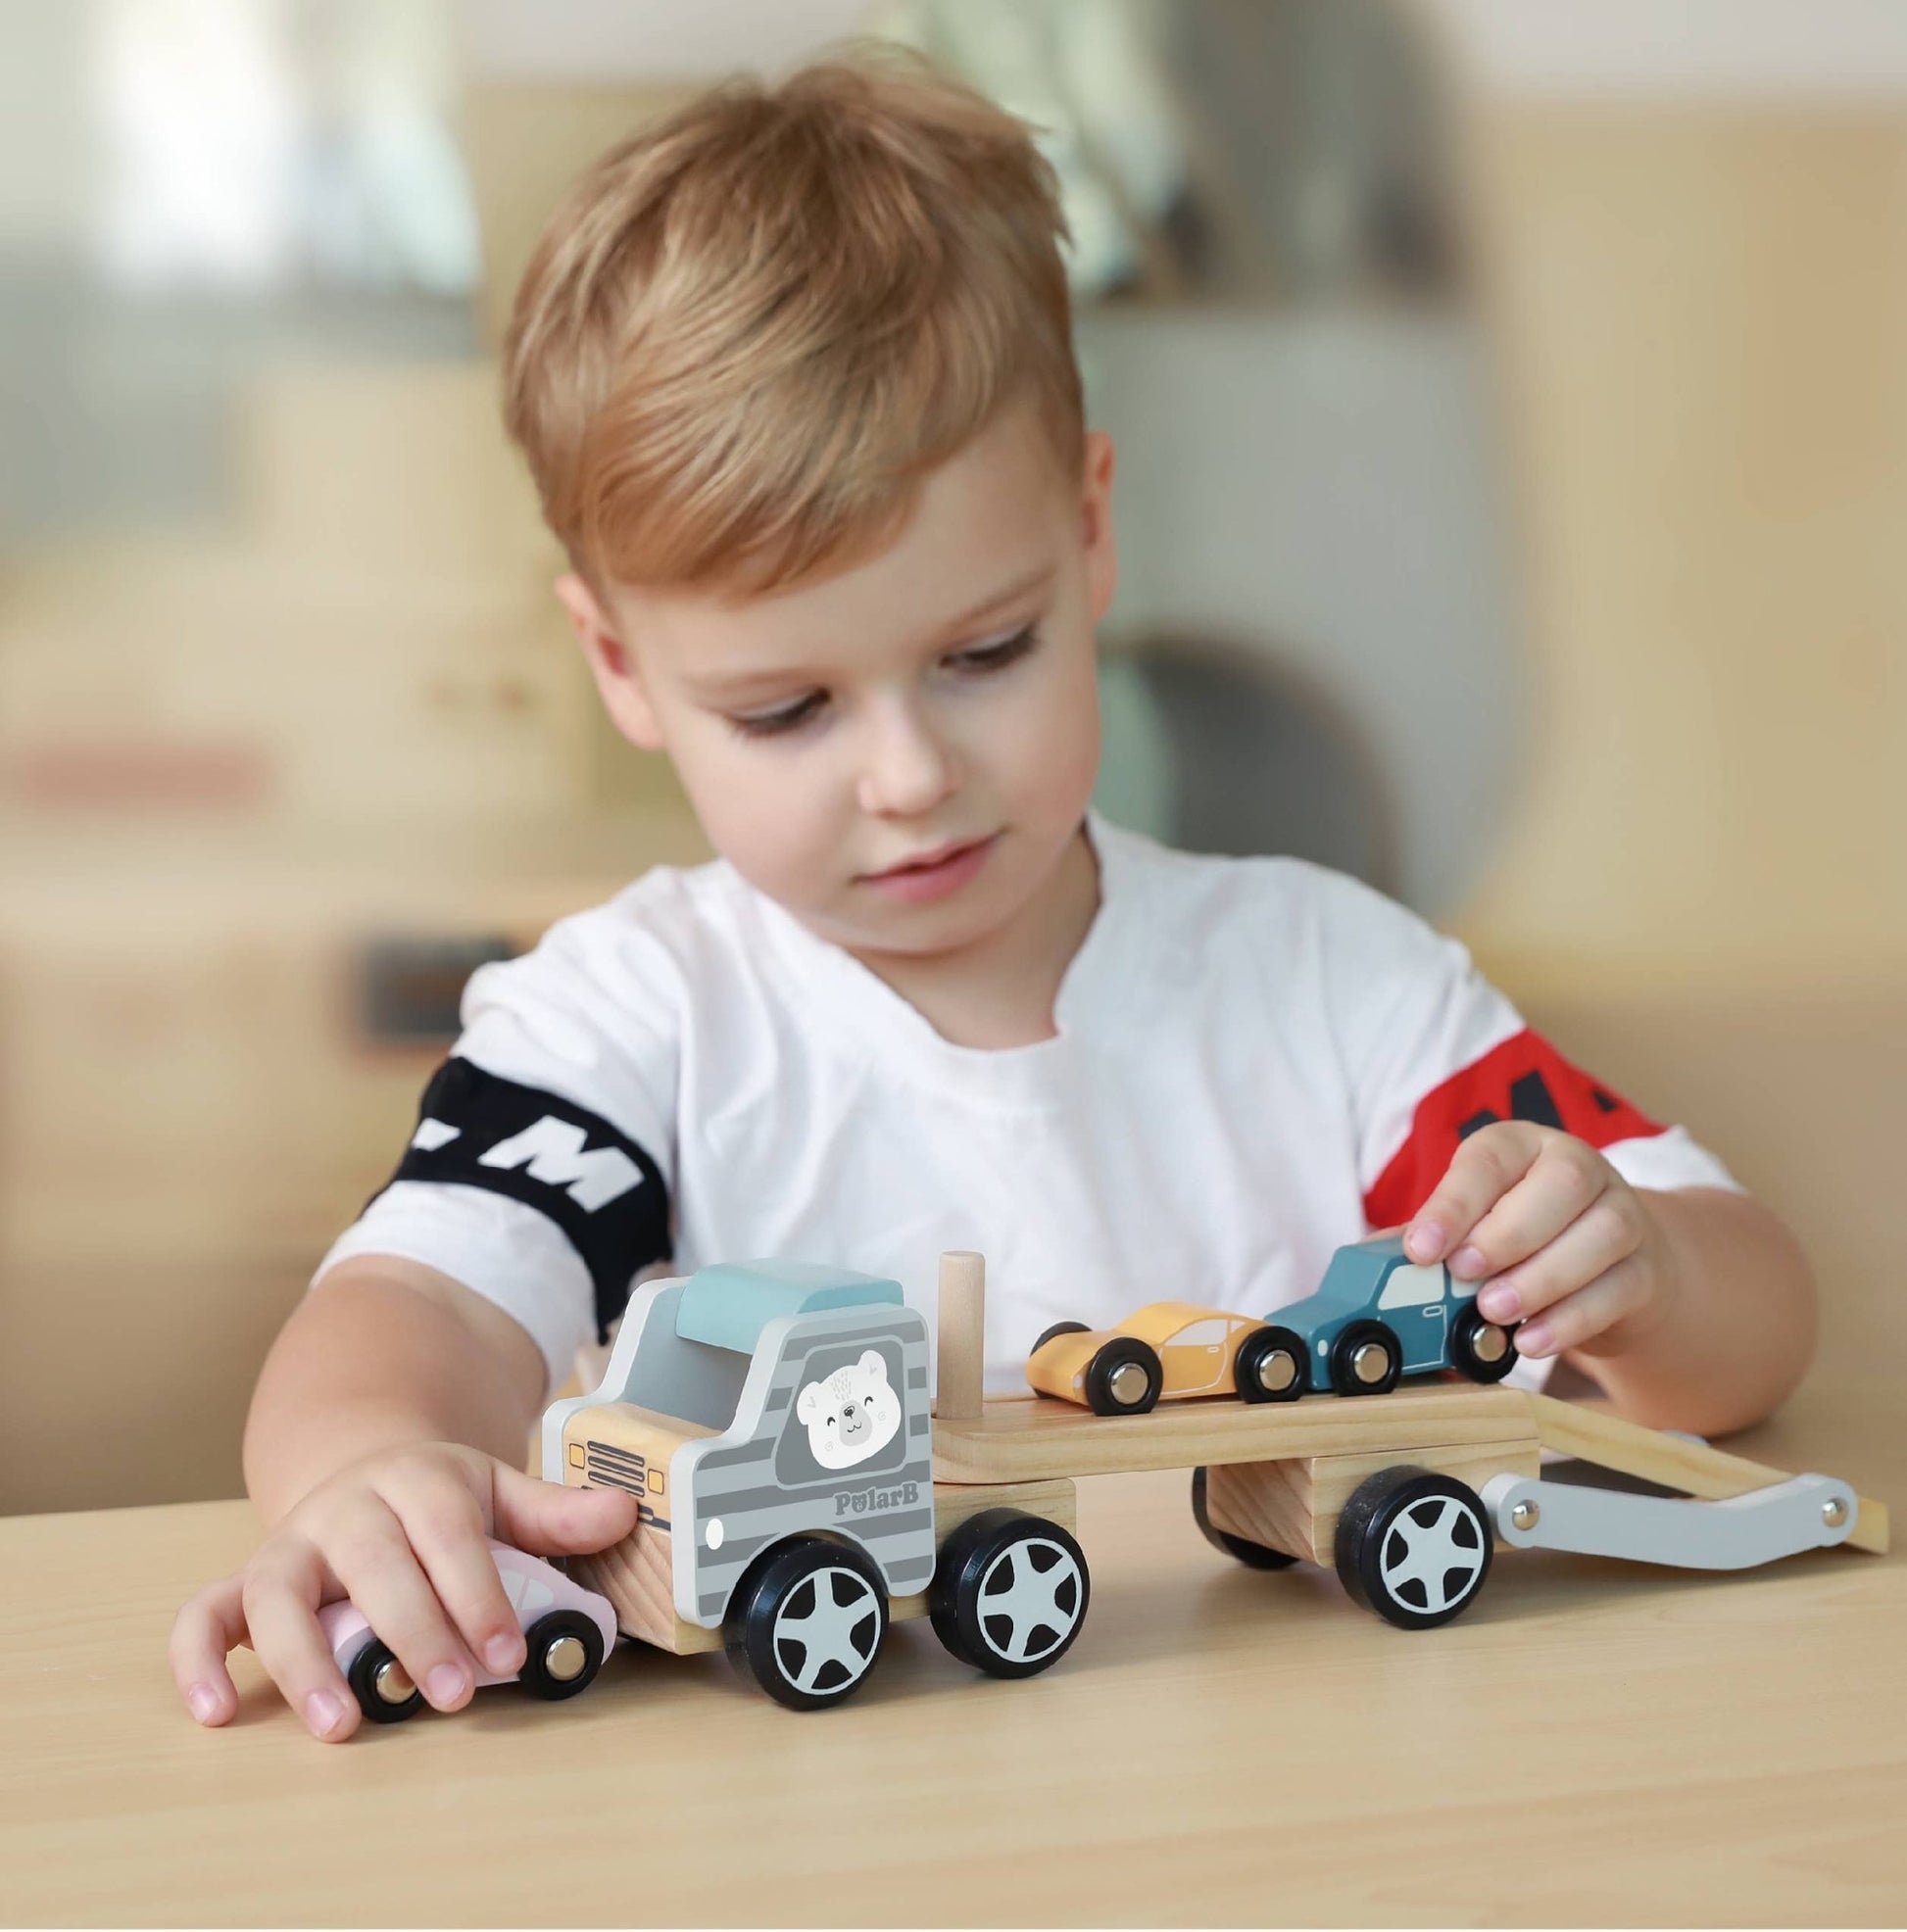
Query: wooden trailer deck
(1023, 1439)
(1034, 1438)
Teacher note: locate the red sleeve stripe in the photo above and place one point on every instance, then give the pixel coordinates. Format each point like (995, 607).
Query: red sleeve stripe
(1523, 1079)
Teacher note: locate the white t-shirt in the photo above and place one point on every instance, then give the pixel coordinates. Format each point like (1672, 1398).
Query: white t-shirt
(1256, 1061)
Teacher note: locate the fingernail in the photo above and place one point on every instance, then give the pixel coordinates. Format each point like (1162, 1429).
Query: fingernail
(202, 1700)
(1425, 1241)
(502, 1653)
(324, 1713)
(1533, 1338)
(1500, 1304)
(1468, 1261)
(445, 1684)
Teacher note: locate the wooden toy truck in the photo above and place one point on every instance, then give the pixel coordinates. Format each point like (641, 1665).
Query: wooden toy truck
(799, 1492)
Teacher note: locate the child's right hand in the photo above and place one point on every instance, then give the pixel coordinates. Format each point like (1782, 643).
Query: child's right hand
(402, 1534)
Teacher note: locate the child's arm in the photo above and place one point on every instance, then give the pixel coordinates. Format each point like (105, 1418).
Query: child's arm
(386, 1439)
(1733, 1327)
(1694, 1309)
(390, 1425)
(1613, 1240)
(387, 1353)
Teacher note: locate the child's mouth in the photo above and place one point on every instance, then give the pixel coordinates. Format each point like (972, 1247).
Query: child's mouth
(948, 874)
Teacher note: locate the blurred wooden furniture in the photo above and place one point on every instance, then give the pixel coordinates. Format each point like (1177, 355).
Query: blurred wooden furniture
(1594, 1743)
(1695, 308)
(267, 792)
(207, 1062)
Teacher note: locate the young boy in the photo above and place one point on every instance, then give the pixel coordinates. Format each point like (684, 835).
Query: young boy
(794, 375)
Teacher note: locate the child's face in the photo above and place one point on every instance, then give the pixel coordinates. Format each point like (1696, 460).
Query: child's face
(939, 694)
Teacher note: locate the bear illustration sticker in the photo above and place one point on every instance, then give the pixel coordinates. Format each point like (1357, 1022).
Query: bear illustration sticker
(851, 1415)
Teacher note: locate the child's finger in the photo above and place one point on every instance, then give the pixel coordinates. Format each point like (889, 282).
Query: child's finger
(1601, 1236)
(387, 1583)
(280, 1600)
(1481, 1171)
(1564, 1180)
(551, 1518)
(443, 1522)
(206, 1628)
(1580, 1318)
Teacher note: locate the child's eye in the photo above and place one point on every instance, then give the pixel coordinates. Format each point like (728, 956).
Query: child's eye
(996, 657)
(765, 724)
(792, 716)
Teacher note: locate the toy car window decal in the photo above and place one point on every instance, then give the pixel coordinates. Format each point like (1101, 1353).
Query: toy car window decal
(1201, 1334)
(1412, 1288)
(606, 1194)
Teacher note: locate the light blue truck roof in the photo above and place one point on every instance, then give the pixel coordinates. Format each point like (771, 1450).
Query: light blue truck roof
(730, 1302)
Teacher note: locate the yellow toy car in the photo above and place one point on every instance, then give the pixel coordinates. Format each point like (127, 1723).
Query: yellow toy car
(1167, 1350)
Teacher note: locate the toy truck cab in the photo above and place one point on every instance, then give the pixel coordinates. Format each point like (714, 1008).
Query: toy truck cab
(775, 1419)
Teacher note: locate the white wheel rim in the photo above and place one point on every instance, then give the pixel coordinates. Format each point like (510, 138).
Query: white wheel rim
(1025, 1608)
(1422, 1556)
(832, 1616)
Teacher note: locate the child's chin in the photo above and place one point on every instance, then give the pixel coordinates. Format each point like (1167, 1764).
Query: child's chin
(919, 930)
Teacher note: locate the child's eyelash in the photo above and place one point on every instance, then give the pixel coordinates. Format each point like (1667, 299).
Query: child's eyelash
(768, 724)
(988, 658)
(993, 657)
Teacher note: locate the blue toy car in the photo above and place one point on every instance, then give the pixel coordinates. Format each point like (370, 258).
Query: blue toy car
(1379, 1315)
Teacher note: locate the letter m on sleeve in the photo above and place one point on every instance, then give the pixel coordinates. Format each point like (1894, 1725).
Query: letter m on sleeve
(604, 1190)
(1524, 1077)
(553, 1152)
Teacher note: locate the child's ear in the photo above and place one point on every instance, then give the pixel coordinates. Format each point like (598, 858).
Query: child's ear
(1096, 508)
(613, 664)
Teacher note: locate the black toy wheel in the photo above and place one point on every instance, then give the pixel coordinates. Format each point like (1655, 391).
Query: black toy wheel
(381, 1685)
(1270, 1365)
(1009, 1593)
(807, 1620)
(1412, 1546)
(1057, 1329)
(566, 1651)
(1366, 1359)
(1254, 1556)
(1124, 1377)
(1482, 1350)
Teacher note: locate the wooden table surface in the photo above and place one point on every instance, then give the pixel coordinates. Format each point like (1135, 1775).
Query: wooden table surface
(1593, 1742)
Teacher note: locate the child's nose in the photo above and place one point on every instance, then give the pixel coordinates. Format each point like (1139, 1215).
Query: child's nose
(908, 769)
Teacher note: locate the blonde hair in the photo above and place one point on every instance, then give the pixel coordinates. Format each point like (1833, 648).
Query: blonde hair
(749, 334)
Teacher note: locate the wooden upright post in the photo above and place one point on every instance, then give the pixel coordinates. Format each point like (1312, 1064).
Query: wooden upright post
(962, 1336)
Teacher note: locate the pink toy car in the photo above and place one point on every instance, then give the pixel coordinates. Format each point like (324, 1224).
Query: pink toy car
(568, 1629)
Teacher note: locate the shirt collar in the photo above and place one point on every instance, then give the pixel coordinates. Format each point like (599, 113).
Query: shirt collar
(858, 1007)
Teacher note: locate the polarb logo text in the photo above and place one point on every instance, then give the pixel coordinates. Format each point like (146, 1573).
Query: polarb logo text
(858, 1502)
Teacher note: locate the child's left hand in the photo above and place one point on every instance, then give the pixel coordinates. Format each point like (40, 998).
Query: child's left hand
(1566, 1246)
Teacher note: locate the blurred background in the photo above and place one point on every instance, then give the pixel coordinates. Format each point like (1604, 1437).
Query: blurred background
(1513, 460)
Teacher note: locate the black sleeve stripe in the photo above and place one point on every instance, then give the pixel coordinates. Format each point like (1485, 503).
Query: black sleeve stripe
(476, 1129)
